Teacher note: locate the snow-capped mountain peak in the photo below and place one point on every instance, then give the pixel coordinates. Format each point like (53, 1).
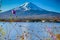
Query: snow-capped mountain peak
(31, 6)
(28, 6)
(25, 6)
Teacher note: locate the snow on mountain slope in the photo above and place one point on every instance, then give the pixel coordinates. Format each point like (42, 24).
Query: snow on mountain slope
(28, 6)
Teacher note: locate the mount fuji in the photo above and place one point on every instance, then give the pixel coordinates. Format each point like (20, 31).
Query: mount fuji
(28, 6)
(29, 11)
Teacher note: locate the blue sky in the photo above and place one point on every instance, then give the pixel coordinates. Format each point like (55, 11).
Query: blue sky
(51, 5)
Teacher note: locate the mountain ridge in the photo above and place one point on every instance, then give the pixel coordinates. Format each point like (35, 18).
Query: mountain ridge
(29, 11)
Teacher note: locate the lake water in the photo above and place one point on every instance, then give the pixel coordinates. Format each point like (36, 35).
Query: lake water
(28, 30)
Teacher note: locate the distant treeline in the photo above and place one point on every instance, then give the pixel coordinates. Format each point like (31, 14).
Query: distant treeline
(29, 20)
